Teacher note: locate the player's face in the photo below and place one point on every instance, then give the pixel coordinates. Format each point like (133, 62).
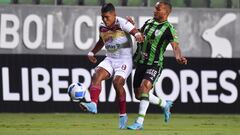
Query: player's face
(109, 18)
(160, 10)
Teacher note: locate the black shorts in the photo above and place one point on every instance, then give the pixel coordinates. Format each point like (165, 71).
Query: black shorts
(148, 72)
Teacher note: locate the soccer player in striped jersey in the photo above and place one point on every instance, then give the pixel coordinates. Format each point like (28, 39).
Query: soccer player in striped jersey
(149, 59)
(115, 36)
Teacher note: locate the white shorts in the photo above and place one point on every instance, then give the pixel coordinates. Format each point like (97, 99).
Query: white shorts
(121, 67)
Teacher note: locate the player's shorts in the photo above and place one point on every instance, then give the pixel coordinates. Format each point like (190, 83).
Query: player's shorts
(121, 66)
(148, 72)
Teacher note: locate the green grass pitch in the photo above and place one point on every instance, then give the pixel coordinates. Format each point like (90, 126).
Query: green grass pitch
(107, 124)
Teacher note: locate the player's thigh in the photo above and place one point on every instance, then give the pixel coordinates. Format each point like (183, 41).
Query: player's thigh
(118, 81)
(145, 77)
(123, 68)
(101, 74)
(145, 86)
(137, 79)
(150, 77)
(103, 71)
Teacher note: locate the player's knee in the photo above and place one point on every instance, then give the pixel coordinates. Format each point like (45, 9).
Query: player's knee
(145, 87)
(118, 82)
(96, 80)
(100, 75)
(137, 94)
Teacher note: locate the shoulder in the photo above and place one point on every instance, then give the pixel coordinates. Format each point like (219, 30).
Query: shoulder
(172, 33)
(102, 24)
(151, 20)
(124, 24)
(170, 26)
(102, 27)
(121, 20)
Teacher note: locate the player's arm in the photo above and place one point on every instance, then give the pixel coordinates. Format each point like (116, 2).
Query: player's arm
(91, 55)
(131, 29)
(130, 19)
(177, 53)
(138, 35)
(173, 39)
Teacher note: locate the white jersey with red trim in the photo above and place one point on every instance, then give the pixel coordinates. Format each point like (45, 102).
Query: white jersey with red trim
(116, 39)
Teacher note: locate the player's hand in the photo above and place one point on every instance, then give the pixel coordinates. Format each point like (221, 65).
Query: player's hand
(182, 60)
(139, 37)
(91, 57)
(129, 18)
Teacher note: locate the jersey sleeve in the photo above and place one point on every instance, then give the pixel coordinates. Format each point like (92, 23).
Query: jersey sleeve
(172, 34)
(144, 25)
(125, 25)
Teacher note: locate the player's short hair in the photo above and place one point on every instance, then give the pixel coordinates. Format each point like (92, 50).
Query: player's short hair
(169, 5)
(108, 7)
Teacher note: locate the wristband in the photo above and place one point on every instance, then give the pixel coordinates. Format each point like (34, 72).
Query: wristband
(90, 54)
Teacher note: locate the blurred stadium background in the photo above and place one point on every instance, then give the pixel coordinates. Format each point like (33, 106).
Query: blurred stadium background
(43, 47)
(175, 3)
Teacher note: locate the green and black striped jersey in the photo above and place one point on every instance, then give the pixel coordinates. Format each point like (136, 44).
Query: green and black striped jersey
(157, 37)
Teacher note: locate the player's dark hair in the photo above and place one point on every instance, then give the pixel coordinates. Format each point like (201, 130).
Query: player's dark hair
(108, 7)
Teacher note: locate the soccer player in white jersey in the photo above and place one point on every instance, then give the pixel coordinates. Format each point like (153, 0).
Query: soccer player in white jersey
(115, 36)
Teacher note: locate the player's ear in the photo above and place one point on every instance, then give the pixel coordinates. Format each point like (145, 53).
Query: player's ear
(114, 13)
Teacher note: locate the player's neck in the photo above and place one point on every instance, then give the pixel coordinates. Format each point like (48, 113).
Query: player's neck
(113, 24)
(160, 20)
